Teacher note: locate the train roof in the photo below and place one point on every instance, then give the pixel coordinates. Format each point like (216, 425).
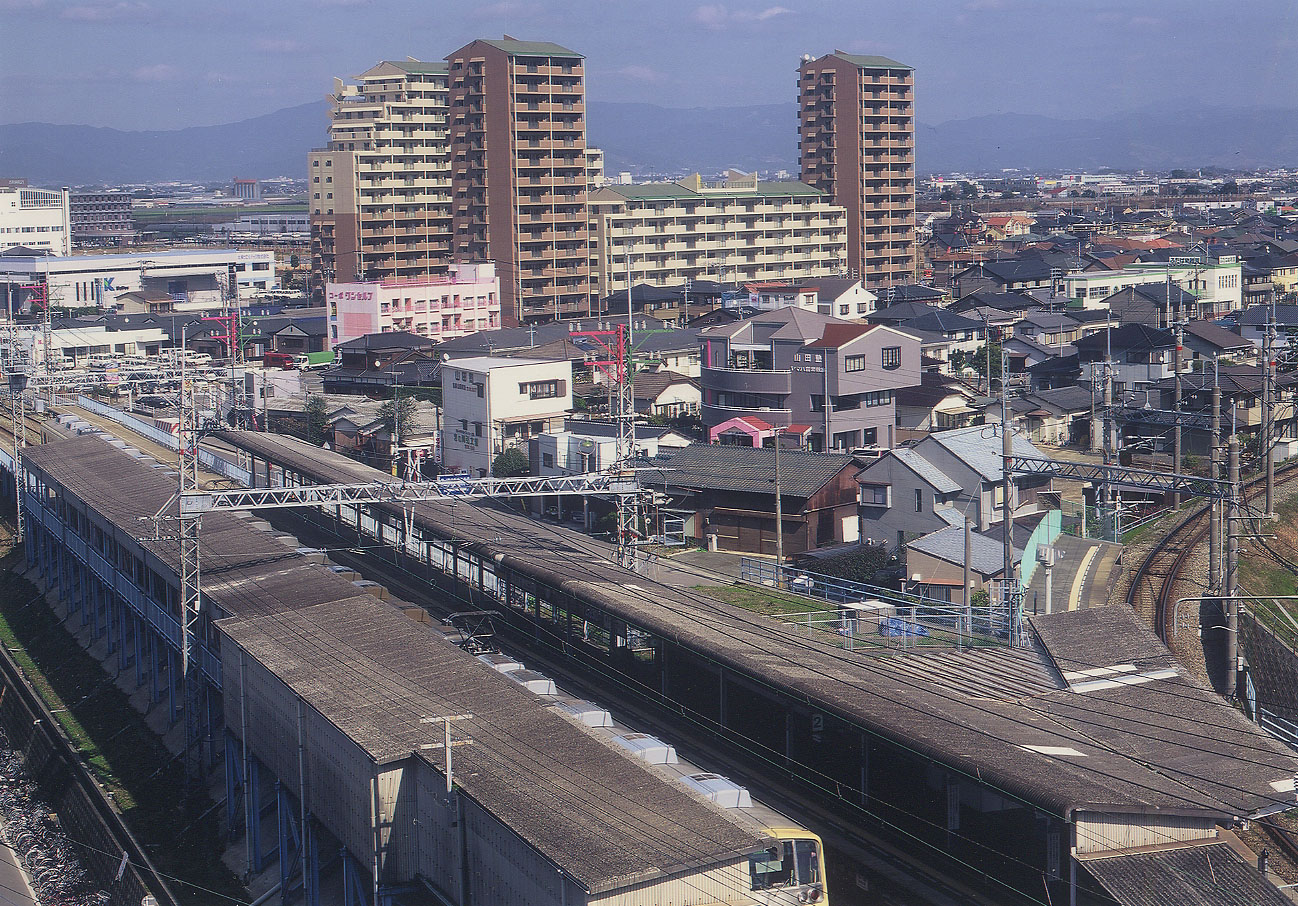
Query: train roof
(1139, 736)
(376, 674)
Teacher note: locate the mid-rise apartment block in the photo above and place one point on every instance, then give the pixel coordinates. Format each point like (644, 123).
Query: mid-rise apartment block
(734, 230)
(34, 218)
(441, 308)
(101, 218)
(518, 143)
(856, 137)
(380, 192)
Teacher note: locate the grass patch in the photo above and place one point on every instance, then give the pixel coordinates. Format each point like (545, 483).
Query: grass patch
(1260, 574)
(762, 600)
(124, 755)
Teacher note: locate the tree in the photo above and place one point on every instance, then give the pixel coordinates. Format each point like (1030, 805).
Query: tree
(317, 419)
(977, 360)
(293, 261)
(511, 463)
(399, 415)
(1230, 187)
(858, 566)
(968, 190)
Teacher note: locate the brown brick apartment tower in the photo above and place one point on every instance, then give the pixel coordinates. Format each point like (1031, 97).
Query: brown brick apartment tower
(856, 131)
(380, 193)
(518, 146)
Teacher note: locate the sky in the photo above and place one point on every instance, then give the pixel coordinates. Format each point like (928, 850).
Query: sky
(165, 64)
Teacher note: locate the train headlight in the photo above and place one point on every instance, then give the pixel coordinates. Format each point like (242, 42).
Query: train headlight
(810, 894)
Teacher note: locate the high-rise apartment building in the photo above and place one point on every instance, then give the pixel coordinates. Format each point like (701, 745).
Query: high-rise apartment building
(518, 140)
(380, 192)
(856, 138)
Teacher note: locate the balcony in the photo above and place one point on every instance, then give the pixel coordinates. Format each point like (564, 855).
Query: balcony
(747, 380)
(715, 415)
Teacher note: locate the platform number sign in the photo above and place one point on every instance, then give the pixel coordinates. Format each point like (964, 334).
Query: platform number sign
(817, 728)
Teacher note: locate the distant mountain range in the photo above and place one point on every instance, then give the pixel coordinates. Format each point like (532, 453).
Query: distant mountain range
(650, 138)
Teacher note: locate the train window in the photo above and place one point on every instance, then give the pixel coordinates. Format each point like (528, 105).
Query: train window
(807, 856)
(771, 867)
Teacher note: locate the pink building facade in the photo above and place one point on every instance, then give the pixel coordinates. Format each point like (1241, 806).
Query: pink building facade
(440, 308)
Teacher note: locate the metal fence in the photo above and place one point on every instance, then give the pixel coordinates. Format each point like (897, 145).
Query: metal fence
(208, 459)
(871, 616)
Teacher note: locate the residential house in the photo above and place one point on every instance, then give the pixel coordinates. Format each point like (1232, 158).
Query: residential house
(1156, 304)
(666, 394)
(1241, 407)
(941, 480)
(726, 496)
(793, 366)
(380, 362)
(1141, 355)
(935, 563)
(1252, 323)
(937, 403)
(1206, 341)
(1030, 272)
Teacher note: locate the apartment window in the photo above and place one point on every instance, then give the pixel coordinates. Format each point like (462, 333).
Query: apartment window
(854, 363)
(891, 357)
(875, 495)
(547, 459)
(919, 500)
(541, 390)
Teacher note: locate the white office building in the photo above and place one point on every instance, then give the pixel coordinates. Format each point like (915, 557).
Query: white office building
(490, 403)
(37, 219)
(195, 279)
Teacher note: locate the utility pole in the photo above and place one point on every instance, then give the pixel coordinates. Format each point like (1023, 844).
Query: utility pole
(1214, 452)
(968, 595)
(1013, 593)
(1232, 567)
(1176, 384)
(779, 513)
(1268, 423)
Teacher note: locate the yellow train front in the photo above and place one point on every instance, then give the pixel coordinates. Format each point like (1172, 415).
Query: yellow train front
(791, 870)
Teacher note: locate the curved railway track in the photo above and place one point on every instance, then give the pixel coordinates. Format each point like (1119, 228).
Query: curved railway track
(1154, 580)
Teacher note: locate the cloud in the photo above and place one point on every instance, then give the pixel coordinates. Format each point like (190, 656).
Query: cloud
(105, 12)
(642, 74)
(158, 72)
(279, 45)
(718, 15)
(17, 5)
(510, 9)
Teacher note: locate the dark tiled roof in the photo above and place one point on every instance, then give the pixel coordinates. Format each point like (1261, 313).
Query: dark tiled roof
(1212, 875)
(398, 339)
(747, 469)
(941, 322)
(1217, 336)
(1128, 336)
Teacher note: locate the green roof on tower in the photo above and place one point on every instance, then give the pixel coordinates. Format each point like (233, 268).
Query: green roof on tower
(870, 62)
(531, 48)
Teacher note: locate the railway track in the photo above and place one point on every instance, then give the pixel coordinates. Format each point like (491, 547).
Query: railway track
(1154, 580)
